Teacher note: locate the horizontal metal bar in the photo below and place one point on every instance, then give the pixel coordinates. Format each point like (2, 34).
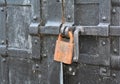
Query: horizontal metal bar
(114, 31)
(88, 30)
(95, 30)
(52, 30)
(114, 2)
(93, 60)
(15, 52)
(86, 1)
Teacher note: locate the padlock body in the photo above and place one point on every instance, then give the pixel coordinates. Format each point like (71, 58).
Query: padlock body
(63, 52)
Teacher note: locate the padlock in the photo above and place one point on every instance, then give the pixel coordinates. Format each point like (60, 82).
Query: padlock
(64, 50)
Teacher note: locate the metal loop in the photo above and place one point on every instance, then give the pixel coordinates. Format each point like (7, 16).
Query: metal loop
(60, 37)
(71, 36)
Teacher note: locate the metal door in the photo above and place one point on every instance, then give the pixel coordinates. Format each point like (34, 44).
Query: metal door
(99, 44)
(23, 61)
(29, 30)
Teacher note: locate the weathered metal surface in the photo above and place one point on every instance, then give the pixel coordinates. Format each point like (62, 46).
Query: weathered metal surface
(54, 13)
(29, 30)
(3, 25)
(2, 2)
(18, 2)
(18, 24)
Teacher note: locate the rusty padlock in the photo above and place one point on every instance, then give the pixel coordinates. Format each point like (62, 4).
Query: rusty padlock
(64, 50)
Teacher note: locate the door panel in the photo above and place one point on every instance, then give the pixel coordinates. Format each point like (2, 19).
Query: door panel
(29, 30)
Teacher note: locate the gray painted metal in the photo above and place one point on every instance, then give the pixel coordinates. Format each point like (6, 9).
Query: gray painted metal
(28, 32)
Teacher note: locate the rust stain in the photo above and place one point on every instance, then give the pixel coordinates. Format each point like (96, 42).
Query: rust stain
(64, 50)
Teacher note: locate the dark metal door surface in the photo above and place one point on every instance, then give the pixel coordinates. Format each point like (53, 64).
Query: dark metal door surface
(29, 30)
(20, 59)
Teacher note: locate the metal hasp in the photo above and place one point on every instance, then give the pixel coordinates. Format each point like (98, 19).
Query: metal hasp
(76, 43)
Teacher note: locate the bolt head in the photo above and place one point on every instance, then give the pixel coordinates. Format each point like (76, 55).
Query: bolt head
(114, 75)
(115, 50)
(104, 18)
(74, 58)
(36, 41)
(36, 65)
(113, 11)
(44, 55)
(70, 69)
(2, 42)
(69, 17)
(73, 73)
(3, 60)
(2, 9)
(103, 43)
(34, 17)
(34, 71)
(39, 75)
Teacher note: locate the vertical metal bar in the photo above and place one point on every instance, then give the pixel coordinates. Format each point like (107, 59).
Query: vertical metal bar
(5, 71)
(61, 73)
(105, 11)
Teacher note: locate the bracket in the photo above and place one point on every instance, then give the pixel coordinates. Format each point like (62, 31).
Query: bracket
(33, 31)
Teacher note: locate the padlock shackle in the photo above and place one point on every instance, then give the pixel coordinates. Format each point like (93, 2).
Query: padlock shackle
(70, 35)
(60, 37)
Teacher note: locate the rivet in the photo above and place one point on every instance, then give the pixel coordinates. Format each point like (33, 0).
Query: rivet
(2, 9)
(104, 70)
(68, 17)
(44, 55)
(73, 73)
(70, 68)
(103, 43)
(3, 60)
(39, 75)
(34, 17)
(2, 42)
(34, 71)
(74, 58)
(104, 18)
(113, 11)
(115, 50)
(36, 65)
(36, 41)
(114, 75)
